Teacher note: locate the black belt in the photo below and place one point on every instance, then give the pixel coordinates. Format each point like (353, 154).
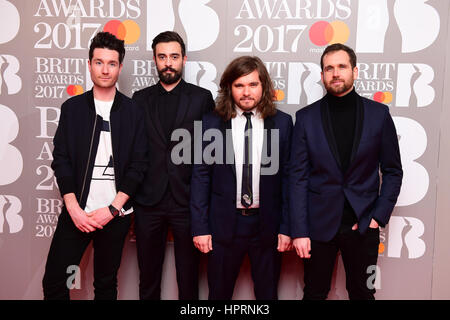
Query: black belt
(248, 212)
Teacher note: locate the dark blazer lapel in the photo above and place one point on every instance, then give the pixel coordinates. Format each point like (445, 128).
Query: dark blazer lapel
(183, 106)
(91, 103)
(228, 147)
(154, 114)
(328, 130)
(359, 126)
(269, 125)
(115, 128)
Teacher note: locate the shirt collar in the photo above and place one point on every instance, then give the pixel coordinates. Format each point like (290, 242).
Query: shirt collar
(240, 112)
(175, 91)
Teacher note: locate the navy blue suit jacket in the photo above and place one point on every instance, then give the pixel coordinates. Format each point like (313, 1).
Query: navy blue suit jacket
(317, 185)
(213, 186)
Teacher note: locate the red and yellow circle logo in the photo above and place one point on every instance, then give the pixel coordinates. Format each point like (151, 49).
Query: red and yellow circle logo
(279, 95)
(127, 30)
(381, 248)
(323, 33)
(383, 97)
(74, 90)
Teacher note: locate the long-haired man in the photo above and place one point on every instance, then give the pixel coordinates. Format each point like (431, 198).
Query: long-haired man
(238, 201)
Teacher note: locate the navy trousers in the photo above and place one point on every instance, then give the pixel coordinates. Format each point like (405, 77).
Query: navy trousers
(224, 262)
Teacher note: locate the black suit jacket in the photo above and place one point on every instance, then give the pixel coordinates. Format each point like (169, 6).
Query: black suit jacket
(194, 103)
(78, 134)
(213, 197)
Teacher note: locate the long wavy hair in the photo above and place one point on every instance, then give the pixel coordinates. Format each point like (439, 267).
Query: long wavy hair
(239, 67)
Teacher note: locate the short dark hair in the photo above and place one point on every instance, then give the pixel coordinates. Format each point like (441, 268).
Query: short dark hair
(241, 67)
(108, 41)
(169, 36)
(337, 47)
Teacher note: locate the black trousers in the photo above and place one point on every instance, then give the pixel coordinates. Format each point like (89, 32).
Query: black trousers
(224, 262)
(359, 252)
(151, 227)
(67, 248)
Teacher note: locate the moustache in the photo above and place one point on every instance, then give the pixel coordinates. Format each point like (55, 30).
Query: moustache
(169, 69)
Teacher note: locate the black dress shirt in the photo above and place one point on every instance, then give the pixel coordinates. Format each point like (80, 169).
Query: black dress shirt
(167, 103)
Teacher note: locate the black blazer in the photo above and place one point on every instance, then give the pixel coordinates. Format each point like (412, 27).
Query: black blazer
(213, 197)
(76, 141)
(194, 103)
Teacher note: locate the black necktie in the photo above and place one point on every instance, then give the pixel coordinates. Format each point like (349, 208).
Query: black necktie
(247, 190)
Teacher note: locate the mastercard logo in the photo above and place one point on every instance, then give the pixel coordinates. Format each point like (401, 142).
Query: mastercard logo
(383, 97)
(127, 30)
(381, 248)
(279, 95)
(74, 90)
(323, 33)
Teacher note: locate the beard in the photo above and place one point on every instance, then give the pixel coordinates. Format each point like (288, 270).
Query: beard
(345, 86)
(169, 78)
(248, 104)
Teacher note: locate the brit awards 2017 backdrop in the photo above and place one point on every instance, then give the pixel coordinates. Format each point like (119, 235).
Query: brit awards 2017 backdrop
(403, 49)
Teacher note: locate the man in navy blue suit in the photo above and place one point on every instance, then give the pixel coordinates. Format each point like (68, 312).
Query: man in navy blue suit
(341, 145)
(239, 190)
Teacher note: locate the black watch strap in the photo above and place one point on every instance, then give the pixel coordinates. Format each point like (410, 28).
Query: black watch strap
(114, 211)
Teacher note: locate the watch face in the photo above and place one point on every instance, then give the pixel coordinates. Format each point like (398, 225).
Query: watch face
(122, 212)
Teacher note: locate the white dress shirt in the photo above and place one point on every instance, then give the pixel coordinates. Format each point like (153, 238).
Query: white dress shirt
(238, 133)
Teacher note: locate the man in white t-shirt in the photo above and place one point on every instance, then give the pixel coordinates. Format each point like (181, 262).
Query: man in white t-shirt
(100, 158)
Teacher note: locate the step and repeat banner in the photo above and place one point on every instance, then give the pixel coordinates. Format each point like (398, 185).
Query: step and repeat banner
(401, 49)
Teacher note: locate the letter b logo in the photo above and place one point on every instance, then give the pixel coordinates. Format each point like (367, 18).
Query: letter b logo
(404, 238)
(10, 220)
(200, 22)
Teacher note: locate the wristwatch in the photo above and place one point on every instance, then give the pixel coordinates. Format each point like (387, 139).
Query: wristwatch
(116, 212)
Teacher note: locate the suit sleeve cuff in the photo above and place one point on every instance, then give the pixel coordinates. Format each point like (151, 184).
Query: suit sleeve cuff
(200, 231)
(285, 230)
(379, 222)
(129, 186)
(66, 185)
